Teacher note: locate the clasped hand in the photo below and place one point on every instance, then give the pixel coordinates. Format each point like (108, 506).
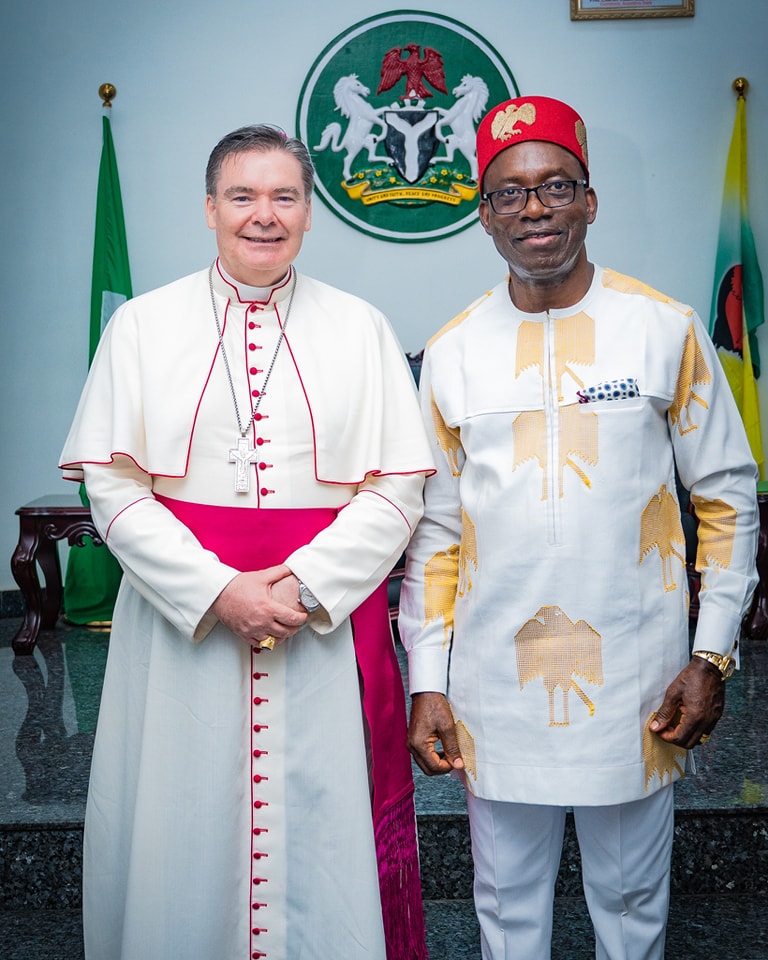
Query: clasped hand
(260, 604)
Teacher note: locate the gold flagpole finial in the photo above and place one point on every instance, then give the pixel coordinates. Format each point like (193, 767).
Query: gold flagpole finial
(107, 93)
(741, 85)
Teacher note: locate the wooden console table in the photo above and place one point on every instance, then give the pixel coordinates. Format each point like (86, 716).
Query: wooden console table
(41, 524)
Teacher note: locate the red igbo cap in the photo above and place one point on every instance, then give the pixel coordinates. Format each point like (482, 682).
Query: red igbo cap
(530, 118)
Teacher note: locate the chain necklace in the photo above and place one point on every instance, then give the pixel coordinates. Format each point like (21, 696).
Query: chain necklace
(243, 454)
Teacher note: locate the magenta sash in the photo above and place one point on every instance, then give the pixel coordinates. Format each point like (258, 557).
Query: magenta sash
(247, 538)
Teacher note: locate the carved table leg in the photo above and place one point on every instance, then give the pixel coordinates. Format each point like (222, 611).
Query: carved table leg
(48, 559)
(24, 569)
(41, 524)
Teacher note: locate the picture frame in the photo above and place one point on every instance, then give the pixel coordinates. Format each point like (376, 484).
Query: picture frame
(630, 9)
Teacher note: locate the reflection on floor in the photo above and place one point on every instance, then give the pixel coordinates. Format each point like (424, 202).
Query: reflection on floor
(50, 705)
(47, 720)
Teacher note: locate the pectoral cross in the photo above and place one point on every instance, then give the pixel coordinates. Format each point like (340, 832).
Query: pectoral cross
(243, 455)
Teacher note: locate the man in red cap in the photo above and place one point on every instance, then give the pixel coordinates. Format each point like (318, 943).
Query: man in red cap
(545, 604)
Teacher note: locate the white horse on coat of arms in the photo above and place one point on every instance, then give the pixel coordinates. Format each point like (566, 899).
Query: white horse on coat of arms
(349, 94)
(471, 97)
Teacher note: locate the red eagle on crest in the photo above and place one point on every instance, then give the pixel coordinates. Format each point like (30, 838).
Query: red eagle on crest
(415, 69)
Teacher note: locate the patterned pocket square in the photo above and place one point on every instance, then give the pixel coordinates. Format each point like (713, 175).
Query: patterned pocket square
(623, 389)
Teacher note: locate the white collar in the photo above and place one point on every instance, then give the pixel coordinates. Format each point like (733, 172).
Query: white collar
(232, 289)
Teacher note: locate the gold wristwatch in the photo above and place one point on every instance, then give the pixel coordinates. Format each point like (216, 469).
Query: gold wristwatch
(726, 665)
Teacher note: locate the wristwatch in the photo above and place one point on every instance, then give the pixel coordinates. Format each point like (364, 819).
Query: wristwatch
(726, 665)
(307, 599)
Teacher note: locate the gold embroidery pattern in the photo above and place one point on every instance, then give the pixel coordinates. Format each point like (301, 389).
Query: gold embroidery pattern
(503, 125)
(581, 136)
(448, 438)
(574, 343)
(458, 319)
(578, 438)
(623, 284)
(693, 371)
(467, 553)
(554, 648)
(660, 528)
(447, 575)
(716, 530)
(660, 758)
(467, 748)
(441, 578)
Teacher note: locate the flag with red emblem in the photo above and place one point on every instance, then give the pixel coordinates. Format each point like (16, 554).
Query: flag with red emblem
(737, 299)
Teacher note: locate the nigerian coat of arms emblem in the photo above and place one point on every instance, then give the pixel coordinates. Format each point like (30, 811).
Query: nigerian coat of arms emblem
(389, 112)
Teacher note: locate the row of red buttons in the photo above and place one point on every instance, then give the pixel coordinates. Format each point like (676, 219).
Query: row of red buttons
(258, 855)
(254, 371)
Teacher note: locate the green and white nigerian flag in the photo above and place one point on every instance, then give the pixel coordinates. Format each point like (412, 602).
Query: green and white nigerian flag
(93, 574)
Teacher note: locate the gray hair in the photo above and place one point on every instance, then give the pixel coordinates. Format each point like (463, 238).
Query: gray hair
(260, 137)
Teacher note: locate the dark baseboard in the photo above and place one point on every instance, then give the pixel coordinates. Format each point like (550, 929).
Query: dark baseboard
(11, 603)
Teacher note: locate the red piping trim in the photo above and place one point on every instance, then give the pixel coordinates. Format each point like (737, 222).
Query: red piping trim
(376, 493)
(309, 405)
(121, 512)
(370, 473)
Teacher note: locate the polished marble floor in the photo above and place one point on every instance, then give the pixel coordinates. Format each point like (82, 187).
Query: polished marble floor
(48, 708)
(50, 700)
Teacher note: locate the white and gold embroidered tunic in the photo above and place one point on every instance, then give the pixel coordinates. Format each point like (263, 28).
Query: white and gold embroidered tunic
(546, 590)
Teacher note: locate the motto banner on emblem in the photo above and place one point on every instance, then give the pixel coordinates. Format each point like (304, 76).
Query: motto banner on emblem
(389, 112)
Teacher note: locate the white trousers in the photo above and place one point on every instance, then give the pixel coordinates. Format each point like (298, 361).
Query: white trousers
(625, 854)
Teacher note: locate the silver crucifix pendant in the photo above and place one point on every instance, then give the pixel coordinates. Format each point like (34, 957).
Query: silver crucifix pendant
(243, 455)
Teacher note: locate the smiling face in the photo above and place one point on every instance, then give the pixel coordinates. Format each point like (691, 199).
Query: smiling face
(543, 246)
(260, 214)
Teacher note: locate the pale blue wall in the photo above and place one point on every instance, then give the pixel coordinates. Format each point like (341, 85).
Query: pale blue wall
(656, 96)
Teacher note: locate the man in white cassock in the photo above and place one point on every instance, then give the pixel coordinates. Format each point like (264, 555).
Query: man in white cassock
(252, 450)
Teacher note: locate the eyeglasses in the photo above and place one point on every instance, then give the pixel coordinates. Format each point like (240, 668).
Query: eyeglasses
(556, 193)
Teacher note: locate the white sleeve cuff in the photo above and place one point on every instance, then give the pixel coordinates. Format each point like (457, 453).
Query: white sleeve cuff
(428, 671)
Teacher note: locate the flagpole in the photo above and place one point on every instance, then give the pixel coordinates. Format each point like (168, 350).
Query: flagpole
(741, 85)
(108, 92)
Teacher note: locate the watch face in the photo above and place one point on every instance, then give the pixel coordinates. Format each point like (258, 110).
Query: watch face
(307, 599)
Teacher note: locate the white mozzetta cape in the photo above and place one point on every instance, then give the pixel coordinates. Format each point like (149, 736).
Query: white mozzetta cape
(147, 407)
(546, 590)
